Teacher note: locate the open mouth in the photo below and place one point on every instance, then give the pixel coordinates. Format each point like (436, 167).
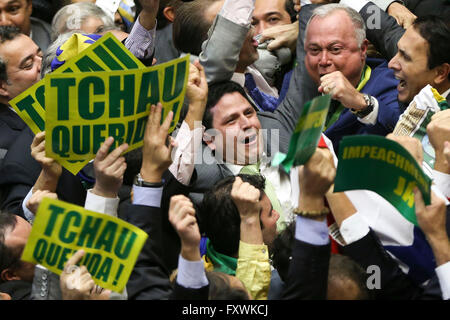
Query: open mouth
(249, 139)
(402, 83)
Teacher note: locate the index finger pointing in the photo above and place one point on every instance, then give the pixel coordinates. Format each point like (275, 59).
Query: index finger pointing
(74, 259)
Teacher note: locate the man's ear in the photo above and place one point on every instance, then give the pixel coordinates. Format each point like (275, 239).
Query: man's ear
(442, 72)
(169, 13)
(364, 48)
(9, 275)
(4, 89)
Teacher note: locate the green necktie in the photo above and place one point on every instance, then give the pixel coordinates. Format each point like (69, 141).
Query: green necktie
(269, 190)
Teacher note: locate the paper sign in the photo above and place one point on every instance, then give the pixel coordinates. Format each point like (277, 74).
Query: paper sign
(307, 133)
(60, 229)
(83, 109)
(375, 163)
(105, 54)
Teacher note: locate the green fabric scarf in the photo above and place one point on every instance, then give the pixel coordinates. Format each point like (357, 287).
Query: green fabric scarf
(221, 262)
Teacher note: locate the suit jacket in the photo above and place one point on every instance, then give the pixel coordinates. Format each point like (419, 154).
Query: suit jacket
(394, 284)
(40, 33)
(10, 127)
(150, 276)
(383, 86)
(308, 272)
(19, 172)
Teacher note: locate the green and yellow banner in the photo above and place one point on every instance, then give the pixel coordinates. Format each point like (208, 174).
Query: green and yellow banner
(306, 135)
(381, 165)
(103, 91)
(60, 229)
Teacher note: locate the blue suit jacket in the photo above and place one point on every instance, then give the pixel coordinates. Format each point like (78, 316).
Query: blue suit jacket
(383, 86)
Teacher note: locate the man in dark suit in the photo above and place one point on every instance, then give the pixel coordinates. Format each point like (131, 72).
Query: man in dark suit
(20, 67)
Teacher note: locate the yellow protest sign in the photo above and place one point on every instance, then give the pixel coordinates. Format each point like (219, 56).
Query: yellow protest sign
(105, 54)
(111, 244)
(83, 109)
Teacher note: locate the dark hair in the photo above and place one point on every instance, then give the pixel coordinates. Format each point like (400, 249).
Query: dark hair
(343, 267)
(215, 92)
(9, 257)
(162, 20)
(7, 33)
(436, 31)
(190, 26)
(282, 250)
(220, 289)
(289, 7)
(218, 216)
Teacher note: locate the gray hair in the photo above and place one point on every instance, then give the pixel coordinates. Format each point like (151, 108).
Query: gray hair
(358, 22)
(71, 17)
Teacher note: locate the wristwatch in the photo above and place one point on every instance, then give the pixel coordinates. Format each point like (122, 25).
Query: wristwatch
(367, 110)
(138, 181)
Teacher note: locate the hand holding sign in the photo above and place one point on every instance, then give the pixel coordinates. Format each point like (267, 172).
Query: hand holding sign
(36, 199)
(76, 282)
(109, 169)
(197, 94)
(315, 179)
(51, 170)
(156, 155)
(432, 221)
(413, 145)
(182, 217)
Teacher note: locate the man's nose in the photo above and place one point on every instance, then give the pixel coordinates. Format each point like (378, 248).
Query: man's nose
(4, 19)
(393, 64)
(324, 59)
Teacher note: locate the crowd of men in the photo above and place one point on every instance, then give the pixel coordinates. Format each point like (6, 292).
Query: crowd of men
(222, 222)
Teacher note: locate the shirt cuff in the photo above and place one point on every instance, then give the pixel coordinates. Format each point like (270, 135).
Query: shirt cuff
(191, 274)
(443, 274)
(189, 145)
(101, 204)
(146, 196)
(354, 228)
(372, 117)
(141, 41)
(239, 12)
(355, 4)
(253, 251)
(27, 213)
(442, 181)
(311, 231)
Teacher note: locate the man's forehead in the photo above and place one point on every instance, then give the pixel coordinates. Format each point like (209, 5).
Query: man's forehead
(230, 103)
(265, 7)
(412, 41)
(4, 3)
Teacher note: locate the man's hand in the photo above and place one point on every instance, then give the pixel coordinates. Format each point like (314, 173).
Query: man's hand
(432, 221)
(413, 145)
(438, 131)
(76, 282)
(401, 14)
(49, 166)
(283, 36)
(109, 169)
(182, 217)
(246, 198)
(36, 199)
(147, 17)
(197, 94)
(315, 179)
(156, 155)
(337, 85)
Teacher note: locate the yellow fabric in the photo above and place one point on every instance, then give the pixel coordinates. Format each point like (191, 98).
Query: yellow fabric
(437, 96)
(253, 269)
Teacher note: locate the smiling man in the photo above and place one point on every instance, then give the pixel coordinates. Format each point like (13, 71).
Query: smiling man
(364, 89)
(18, 13)
(20, 67)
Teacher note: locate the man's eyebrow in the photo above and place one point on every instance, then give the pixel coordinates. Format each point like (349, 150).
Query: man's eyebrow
(13, 2)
